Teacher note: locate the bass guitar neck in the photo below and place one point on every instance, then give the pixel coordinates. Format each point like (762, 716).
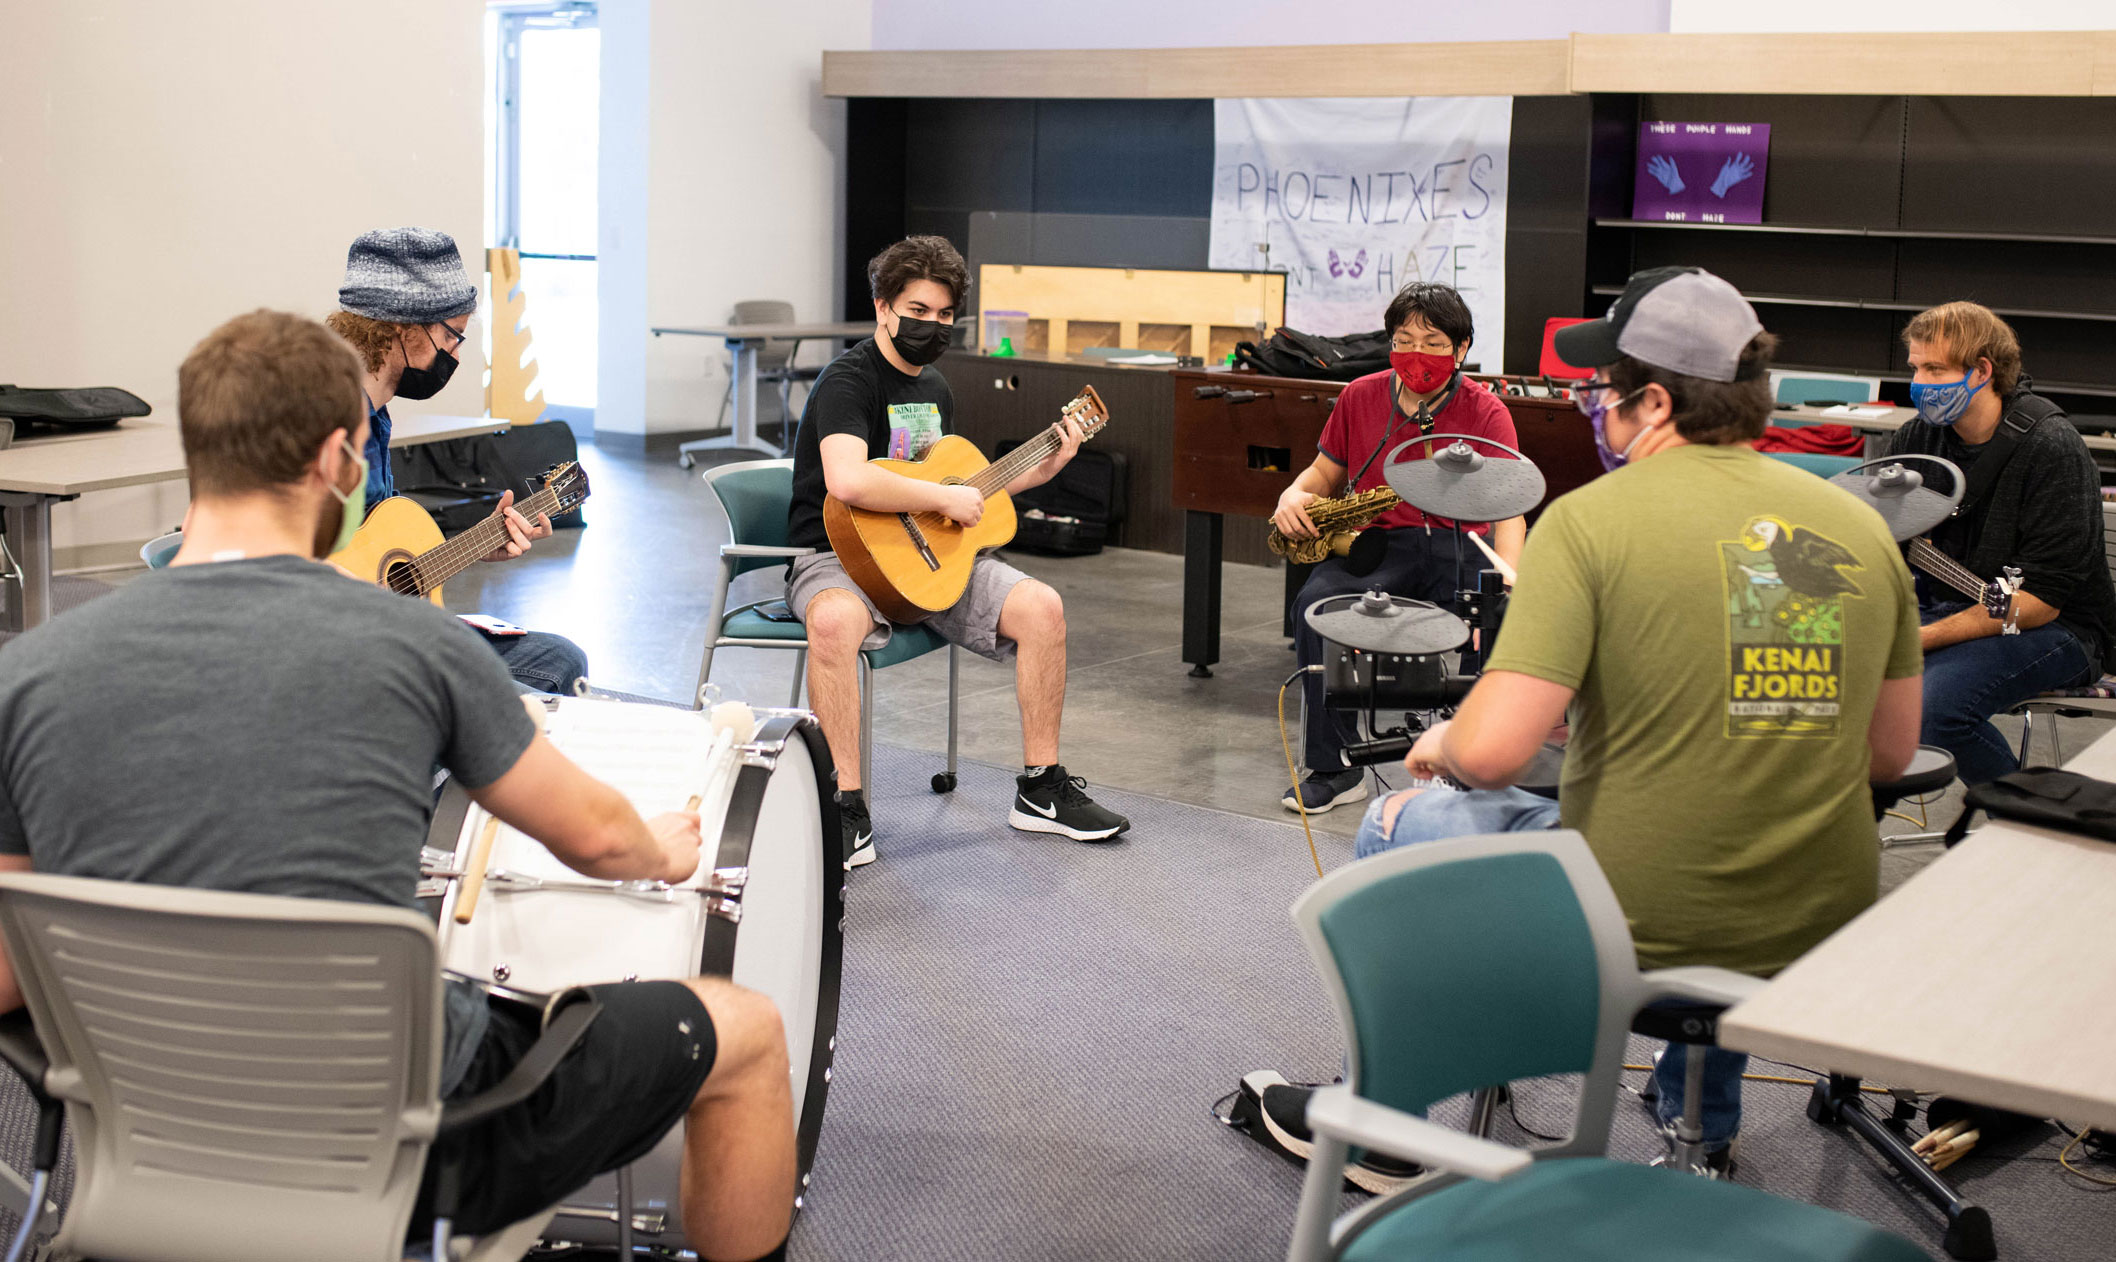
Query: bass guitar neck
(1995, 595)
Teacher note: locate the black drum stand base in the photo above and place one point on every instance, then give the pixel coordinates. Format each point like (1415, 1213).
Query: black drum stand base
(1838, 1099)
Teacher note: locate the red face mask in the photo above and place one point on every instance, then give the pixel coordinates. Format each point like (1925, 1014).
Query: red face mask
(1420, 372)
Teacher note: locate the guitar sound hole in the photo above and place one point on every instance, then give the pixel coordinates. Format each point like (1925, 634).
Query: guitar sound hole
(398, 576)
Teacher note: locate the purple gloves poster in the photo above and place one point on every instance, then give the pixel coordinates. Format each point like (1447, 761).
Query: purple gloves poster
(1701, 172)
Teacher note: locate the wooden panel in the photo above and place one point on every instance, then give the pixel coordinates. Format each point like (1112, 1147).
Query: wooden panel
(1496, 68)
(1898, 63)
(1214, 439)
(1128, 296)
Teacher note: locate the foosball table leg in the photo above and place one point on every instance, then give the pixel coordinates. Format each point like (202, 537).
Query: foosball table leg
(1203, 544)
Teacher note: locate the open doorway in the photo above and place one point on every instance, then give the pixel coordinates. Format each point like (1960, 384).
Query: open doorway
(545, 57)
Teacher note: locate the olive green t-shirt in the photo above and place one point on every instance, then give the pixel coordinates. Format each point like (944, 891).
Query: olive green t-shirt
(1726, 620)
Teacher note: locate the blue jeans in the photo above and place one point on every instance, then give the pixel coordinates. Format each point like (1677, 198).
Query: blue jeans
(1438, 814)
(1967, 683)
(540, 661)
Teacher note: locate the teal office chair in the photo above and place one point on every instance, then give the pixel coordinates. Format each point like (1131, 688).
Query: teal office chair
(756, 495)
(1464, 964)
(1816, 463)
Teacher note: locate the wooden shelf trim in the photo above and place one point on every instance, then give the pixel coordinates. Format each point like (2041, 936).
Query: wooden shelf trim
(1894, 63)
(1876, 304)
(1494, 68)
(1890, 63)
(1918, 234)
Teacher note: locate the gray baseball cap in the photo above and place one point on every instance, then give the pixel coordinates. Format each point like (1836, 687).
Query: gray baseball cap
(406, 276)
(1683, 319)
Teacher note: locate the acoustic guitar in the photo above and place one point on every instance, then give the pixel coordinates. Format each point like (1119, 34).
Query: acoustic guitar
(914, 564)
(400, 547)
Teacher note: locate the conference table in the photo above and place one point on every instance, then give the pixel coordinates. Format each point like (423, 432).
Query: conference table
(744, 341)
(36, 473)
(1887, 420)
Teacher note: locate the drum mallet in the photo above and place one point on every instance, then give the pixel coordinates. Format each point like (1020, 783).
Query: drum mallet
(481, 852)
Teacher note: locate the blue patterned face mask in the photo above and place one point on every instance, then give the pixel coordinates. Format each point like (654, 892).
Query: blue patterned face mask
(1944, 403)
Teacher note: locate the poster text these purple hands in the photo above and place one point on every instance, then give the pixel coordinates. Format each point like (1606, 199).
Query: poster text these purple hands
(1701, 172)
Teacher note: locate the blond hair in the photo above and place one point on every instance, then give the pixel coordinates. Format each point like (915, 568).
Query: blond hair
(1965, 332)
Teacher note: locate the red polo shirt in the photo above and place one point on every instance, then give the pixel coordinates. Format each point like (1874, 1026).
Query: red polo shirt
(1361, 422)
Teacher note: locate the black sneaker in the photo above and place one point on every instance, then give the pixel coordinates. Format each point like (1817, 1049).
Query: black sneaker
(1320, 792)
(857, 827)
(1284, 1113)
(1055, 802)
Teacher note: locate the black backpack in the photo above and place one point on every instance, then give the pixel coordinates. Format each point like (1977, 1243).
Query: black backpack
(83, 407)
(1077, 512)
(1292, 353)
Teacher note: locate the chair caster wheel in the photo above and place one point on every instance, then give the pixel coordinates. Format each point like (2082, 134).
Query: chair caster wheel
(944, 782)
(685, 460)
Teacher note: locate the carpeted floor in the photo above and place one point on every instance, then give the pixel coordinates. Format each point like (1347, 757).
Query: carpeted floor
(1033, 1029)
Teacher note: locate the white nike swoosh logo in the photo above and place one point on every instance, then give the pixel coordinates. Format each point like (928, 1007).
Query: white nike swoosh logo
(1047, 812)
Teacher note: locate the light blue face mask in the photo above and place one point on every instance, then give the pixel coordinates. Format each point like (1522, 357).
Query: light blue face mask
(1945, 402)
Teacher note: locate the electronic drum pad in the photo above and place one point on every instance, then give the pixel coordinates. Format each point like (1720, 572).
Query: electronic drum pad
(1463, 484)
(1902, 494)
(1379, 623)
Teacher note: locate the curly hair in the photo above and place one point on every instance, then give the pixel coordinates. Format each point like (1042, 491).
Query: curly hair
(371, 338)
(919, 258)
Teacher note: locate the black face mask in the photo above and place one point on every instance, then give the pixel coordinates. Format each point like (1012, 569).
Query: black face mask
(920, 342)
(425, 383)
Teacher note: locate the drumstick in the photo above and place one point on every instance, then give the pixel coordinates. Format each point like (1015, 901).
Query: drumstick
(1932, 1140)
(1498, 562)
(474, 873)
(693, 804)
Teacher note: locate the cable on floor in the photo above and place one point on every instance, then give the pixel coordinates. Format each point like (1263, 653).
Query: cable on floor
(1292, 776)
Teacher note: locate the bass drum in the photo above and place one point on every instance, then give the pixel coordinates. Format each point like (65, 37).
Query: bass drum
(769, 913)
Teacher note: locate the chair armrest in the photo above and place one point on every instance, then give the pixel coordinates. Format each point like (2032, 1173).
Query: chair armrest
(1701, 984)
(1336, 1112)
(762, 550)
(561, 1033)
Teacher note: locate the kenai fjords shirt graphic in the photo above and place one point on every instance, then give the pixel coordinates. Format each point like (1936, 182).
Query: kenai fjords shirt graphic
(1785, 588)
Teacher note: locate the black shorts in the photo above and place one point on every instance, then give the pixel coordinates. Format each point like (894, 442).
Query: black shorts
(632, 1076)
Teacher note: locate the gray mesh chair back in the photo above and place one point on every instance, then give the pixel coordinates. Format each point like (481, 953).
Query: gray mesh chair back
(247, 1077)
(776, 352)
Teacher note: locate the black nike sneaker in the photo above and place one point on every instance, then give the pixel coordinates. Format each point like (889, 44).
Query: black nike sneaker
(857, 827)
(1055, 802)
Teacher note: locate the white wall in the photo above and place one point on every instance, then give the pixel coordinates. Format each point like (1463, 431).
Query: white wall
(987, 24)
(164, 166)
(1890, 15)
(741, 182)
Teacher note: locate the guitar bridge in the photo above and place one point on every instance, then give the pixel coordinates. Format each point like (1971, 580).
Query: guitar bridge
(918, 537)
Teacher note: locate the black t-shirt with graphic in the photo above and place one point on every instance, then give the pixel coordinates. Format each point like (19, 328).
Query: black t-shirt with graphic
(861, 393)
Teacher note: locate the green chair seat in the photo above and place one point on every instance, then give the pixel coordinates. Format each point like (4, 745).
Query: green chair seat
(904, 644)
(1591, 1209)
(751, 625)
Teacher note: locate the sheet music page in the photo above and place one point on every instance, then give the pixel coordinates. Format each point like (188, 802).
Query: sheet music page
(659, 757)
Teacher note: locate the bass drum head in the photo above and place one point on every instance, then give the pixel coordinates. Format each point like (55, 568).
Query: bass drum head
(791, 941)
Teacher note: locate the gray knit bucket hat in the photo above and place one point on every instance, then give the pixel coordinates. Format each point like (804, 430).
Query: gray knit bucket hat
(406, 276)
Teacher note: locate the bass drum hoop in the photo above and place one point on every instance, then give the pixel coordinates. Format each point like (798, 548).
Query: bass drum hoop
(737, 834)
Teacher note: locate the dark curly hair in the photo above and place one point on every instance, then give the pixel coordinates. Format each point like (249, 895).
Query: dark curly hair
(919, 258)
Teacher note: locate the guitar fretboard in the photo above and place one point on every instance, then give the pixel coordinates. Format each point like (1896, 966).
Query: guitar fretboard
(432, 568)
(1946, 569)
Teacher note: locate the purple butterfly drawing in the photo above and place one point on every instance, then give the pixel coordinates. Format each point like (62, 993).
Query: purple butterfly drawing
(1352, 267)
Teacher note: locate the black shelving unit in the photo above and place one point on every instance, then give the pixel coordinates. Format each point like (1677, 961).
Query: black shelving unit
(1878, 207)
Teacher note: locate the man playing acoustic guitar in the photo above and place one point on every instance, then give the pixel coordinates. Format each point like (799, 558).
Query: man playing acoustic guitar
(877, 400)
(405, 306)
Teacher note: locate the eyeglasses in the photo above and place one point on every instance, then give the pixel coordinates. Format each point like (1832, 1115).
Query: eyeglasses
(460, 338)
(1583, 394)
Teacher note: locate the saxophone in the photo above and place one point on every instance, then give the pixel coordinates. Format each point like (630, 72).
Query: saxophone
(1338, 521)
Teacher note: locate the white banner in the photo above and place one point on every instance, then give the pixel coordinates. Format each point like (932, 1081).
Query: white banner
(1357, 197)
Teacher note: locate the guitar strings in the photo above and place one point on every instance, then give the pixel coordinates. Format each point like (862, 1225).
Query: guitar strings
(1946, 569)
(1012, 465)
(410, 578)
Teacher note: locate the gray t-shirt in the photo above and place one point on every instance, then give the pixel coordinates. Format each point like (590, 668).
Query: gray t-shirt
(264, 726)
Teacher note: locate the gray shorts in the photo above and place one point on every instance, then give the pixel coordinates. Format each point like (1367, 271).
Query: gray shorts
(972, 622)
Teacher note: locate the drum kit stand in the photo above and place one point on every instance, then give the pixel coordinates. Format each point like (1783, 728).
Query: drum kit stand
(1385, 653)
